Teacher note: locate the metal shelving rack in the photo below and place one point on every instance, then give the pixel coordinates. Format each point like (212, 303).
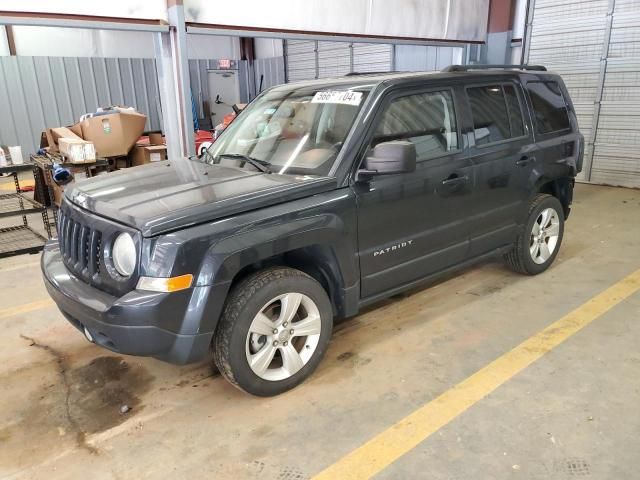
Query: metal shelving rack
(45, 164)
(18, 239)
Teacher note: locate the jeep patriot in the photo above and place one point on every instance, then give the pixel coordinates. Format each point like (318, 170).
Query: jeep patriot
(320, 198)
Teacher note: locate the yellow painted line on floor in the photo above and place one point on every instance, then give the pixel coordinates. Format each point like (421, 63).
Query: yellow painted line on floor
(391, 444)
(26, 308)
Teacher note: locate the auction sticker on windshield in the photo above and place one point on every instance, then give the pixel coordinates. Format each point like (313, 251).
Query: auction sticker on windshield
(343, 97)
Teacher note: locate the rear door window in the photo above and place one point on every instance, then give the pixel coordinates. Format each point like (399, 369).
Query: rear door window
(496, 112)
(549, 107)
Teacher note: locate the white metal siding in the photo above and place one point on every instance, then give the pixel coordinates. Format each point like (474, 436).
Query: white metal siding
(334, 59)
(372, 57)
(415, 58)
(300, 60)
(39, 92)
(568, 36)
(306, 60)
(595, 46)
(616, 157)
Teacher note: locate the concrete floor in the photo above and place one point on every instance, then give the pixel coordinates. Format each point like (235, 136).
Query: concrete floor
(572, 413)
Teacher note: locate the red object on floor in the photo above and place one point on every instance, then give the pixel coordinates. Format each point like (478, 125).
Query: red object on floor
(203, 138)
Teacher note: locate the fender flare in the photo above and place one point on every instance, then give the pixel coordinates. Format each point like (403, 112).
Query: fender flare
(227, 257)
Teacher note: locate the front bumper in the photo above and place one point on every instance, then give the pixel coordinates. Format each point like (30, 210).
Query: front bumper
(161, 325)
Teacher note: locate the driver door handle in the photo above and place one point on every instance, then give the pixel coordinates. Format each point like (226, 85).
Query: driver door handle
(455, 179)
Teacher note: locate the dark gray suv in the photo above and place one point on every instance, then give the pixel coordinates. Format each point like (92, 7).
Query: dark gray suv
(320, 198)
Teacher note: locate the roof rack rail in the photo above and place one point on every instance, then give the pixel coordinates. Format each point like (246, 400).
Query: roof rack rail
(464, 68)
(355, 74)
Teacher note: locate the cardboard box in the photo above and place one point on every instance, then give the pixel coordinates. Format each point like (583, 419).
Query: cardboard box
(72, 148)
(141, 154)
(46, 140)
(50, 136)
(63, 132)
(89, 152)
(76, 128)
(79, 174)
(156, 138)
(113, 134)
(77, 150)
(58, 192)
(120, 163)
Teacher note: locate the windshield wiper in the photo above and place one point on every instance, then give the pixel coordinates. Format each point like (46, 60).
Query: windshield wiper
(261, 165)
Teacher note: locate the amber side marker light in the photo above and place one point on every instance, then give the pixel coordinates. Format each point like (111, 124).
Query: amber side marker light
(171, 284)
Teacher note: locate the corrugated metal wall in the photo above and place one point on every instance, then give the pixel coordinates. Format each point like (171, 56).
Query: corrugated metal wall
(199, 82)
(301, 60)
(568, 37)
(335, 59)
(308, 59)
(616, 158)
(413, 58)
(270, 69)
(40, 92)
(595, 46)
(372, 57)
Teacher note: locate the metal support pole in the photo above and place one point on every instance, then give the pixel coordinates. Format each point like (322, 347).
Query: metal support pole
(588, 167)
(315, 51)
(526, 43)
(168, 95)
(173, 80)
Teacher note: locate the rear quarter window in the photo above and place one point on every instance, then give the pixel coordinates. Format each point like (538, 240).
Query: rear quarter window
(549, 107)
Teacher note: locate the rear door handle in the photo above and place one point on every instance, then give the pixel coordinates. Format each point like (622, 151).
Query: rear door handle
(525, 160)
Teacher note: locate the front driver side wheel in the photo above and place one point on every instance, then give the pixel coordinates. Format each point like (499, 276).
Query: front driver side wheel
(274, 331)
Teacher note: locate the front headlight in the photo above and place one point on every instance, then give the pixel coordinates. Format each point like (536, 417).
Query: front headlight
(124, 254)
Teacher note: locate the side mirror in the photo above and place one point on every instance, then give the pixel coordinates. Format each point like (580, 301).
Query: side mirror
(389, 158)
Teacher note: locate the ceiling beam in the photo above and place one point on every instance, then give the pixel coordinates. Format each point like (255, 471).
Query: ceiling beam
(237, 31)
(41, 19)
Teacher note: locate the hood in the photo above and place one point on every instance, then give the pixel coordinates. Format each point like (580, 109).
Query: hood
(165, 196)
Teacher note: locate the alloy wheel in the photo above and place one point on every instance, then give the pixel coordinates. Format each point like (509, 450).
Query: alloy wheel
(283, 336)
(544, 235)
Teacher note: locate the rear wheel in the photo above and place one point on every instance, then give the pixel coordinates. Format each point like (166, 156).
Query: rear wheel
(539, 238)
(274, 331)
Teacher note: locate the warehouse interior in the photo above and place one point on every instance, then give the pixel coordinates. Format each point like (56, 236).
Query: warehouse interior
(474, 372)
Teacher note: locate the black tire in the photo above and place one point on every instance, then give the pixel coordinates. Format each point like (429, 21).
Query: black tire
(519, 258)
(243, 304)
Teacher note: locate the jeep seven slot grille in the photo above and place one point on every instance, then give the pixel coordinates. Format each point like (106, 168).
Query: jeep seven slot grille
(83, 238)
(80, 245)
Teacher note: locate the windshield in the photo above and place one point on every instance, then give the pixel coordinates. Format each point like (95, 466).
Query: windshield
(299, 131)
